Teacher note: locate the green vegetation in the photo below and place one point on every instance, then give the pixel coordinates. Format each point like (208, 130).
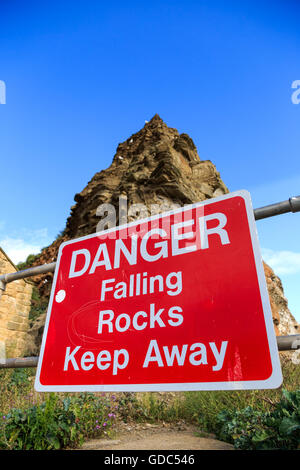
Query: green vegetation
(257, 419)
(60, 234)
(31, 421)
(27, 263)
(39, 305)
(250, 429)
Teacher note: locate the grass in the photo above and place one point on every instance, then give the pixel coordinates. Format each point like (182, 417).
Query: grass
(32, 420)
(96, 415)
(203, 407)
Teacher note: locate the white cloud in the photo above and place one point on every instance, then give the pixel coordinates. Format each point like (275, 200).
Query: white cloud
(18, 249)
(282, 262)
(27, 242)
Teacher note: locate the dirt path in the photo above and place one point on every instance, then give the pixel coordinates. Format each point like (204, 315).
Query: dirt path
(156, 437)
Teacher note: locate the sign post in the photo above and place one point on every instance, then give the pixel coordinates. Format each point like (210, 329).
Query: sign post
(177, 301)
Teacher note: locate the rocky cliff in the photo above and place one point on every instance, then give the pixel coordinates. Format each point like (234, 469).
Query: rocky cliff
(152, 171)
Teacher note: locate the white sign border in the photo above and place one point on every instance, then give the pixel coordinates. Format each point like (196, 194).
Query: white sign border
(275, 379)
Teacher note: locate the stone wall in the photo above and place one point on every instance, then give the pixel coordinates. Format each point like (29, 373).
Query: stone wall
(15, 305)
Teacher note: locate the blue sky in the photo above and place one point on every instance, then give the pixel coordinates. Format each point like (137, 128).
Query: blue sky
(83, 76)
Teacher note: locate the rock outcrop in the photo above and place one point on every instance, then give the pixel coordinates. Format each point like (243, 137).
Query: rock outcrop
(155, 169)
(284, 322)
(155, 166)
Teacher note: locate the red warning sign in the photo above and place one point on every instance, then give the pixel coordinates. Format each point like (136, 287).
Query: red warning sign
(177, 301)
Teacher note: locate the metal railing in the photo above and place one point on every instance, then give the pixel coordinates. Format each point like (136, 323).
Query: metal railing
(284, 343)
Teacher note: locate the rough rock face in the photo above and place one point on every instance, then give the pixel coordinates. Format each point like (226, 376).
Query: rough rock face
(154, 166)
(284, 322)
(159, 168)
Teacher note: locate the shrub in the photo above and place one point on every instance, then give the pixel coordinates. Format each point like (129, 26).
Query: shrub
(19, 377)
(95, 415)
(250, 429)
(130, 407)
(56, 423)
(41, 427)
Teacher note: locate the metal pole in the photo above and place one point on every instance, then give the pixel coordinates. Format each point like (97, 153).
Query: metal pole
(2, 287)
(291, 205)
(288, 343)
(284, 343)
(36, 270)
(17, 362)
